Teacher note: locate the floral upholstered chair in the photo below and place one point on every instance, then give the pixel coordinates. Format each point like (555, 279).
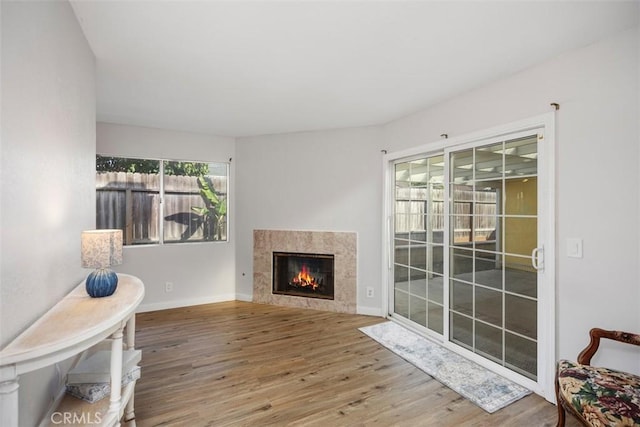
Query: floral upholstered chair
(598, 397)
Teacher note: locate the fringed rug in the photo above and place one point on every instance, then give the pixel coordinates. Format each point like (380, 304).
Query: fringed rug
(486, 389)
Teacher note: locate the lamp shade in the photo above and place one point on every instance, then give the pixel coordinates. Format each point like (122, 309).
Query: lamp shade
(101, 248)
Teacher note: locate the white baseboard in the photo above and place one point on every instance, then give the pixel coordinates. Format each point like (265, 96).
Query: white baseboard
(164, 305)
(244, 297)
(369, 311)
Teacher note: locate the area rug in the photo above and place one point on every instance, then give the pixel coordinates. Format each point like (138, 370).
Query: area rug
(486, 389)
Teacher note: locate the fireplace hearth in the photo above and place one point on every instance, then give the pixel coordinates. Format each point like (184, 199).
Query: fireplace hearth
(303, 275)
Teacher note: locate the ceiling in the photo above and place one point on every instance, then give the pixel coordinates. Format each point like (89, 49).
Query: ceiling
(240, 68)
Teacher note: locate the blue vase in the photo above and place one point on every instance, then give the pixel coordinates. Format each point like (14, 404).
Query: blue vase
(101, 283)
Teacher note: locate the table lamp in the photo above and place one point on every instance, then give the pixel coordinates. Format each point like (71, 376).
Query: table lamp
(100, 249)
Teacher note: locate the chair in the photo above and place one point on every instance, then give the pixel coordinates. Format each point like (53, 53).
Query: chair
(598, 397)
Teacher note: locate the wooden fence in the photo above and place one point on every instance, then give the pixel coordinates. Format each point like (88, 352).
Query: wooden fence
(131, 202)
(473, 212)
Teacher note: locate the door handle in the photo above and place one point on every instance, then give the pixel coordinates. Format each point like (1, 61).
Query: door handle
(537, 258)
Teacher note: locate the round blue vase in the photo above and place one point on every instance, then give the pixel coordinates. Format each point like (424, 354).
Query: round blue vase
(101, 283)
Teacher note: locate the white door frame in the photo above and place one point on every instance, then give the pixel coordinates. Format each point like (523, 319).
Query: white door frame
(546, 234)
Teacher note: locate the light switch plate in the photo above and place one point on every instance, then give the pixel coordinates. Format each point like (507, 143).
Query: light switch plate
(574, 248)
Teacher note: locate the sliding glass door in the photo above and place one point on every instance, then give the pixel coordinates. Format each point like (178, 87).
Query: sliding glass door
(466, 258)
(493, 236)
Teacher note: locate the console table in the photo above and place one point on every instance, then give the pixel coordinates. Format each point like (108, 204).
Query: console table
(72, 326)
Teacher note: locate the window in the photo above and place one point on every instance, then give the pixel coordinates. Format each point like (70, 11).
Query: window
(162, 201)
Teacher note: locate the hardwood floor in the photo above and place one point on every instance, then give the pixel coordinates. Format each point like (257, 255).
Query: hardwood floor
(244, 364)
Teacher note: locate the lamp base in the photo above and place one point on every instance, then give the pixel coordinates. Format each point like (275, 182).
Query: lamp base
(101, 283)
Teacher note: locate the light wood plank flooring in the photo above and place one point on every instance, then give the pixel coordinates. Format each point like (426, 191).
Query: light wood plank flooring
(244, 364)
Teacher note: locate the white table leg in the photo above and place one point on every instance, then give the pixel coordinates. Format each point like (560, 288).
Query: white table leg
(9, 403)
(116, 371)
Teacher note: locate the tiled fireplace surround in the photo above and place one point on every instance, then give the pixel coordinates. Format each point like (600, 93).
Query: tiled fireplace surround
(342, 245)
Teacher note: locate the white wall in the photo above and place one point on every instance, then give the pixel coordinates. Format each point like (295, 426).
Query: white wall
(325, 181)
(200, 272)
(597, 177)
(48, 170)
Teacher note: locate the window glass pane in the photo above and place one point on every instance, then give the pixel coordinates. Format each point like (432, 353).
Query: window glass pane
(521, 236)
(435, 261)
(418, 311)
(489, 340)
(521, 316)
(401, 277)
(485, 210)
(436, 222)
(436, 169)
(195, 201)
(522, 280)
(418, 284)
(401, 303)
(462, 166)
(488, 163)
(128, 198)
(415, 274)
(435, 319)
(410, 223)
(461, 194)
(402, 221)
(462, 330)
(418, 232)
(488, 269)
(521, 353)
(488, 305)
(401, 252)
(521, 156)
(417, 225)
(419, 256)
(461, 297)
(461, 264)
(402, 175)
(418, 173)
(484, 228)
(521, 196)
(461, 229)
(435, 288)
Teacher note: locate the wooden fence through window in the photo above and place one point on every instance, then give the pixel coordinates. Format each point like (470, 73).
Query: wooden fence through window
(131, 202)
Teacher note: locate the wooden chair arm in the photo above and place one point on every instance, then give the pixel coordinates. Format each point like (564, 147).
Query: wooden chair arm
(584, 358)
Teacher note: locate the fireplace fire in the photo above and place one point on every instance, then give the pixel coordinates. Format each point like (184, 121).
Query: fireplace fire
(303, 275)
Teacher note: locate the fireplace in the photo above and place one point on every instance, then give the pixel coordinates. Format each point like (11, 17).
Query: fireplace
(344, 247)
(303, 275)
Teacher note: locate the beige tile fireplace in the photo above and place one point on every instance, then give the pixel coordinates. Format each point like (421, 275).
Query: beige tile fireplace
(342, 245)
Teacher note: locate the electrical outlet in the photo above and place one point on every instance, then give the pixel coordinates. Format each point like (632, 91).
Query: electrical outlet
(369, 292)
(168, 286)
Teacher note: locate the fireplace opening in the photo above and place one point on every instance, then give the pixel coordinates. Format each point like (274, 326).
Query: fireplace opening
(303, 275)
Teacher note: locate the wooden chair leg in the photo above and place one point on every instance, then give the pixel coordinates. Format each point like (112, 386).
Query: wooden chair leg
(561, 413)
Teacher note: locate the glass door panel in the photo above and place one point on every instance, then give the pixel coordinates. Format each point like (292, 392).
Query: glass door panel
(419, 218)
(493, 231)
